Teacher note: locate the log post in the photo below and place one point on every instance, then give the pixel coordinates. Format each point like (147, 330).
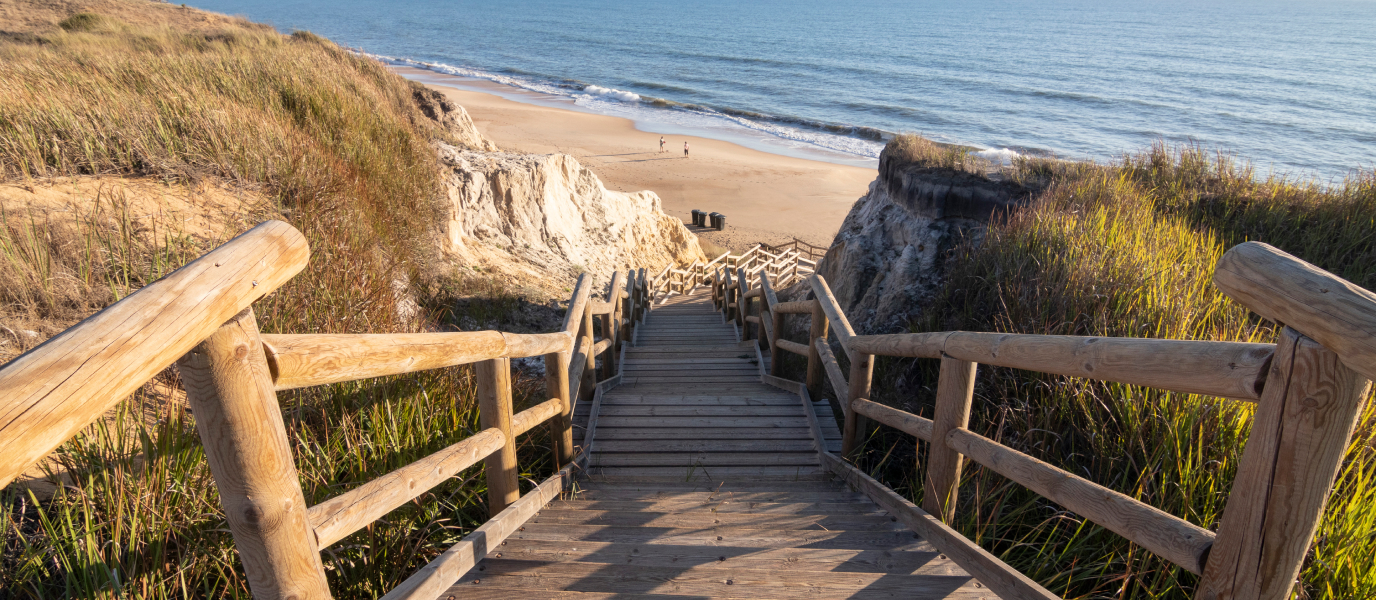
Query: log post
(494, 411)
(612, 323)
(954, 393)
(1300, 432)
(587, 385)
(229, 387)
(861, 373)
(818, 331)
(742, 286)
(557, 386)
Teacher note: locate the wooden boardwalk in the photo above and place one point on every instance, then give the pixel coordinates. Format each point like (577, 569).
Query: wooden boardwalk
(705, 482)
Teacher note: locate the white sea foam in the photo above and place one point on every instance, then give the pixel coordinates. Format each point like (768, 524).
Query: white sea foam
(627, 104)
(597, 90)
(1002, 156)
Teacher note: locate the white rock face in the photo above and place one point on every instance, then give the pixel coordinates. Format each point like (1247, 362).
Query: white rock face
(543, 219)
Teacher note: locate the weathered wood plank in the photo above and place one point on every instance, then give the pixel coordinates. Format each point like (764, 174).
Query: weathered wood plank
(988, 569)
(703, 459)
(788, 559)
(709, 520)
(703, 422)
(612, 410)
(712, 581)
(715, 473)
(893, 541)
(723, 505)
(700, 445)
(906, 422)
(674, 433)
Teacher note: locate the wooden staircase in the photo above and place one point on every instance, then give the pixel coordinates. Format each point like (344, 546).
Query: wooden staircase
(705, 482)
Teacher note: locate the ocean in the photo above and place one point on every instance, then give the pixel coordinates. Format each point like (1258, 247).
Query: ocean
(1289, 86)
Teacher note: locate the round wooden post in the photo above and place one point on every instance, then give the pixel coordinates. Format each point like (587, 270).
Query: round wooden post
(588, 385)
(557, 386)
(1303, 424)
(230, 390)
(494, 411)
(776, 353)
(955, 392)
(814, 360)
(861, 372)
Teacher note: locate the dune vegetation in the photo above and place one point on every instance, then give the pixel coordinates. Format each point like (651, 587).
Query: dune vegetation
(1128, 249)
(329, 141)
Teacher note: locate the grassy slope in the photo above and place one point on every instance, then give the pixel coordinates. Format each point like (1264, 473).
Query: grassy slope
(1128, 250)
(336, 144)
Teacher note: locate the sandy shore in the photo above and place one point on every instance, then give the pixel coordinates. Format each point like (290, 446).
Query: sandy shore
(765, 197)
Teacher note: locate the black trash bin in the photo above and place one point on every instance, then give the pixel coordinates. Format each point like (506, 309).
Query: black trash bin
(721, 222)
(697, 217)
(712, 219)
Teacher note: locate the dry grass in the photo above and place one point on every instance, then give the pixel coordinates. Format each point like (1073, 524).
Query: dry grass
(334, 144)
(1128, 250)
(911, 149)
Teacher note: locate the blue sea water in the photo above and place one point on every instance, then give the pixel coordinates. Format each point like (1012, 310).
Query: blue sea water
(1289, 85)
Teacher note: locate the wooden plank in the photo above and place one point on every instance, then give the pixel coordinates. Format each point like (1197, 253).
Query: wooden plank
(1300, 433)
(723, 505)
(708, 519)
(245, 438)
(861, 373)
(729, 445)
(1336, 313)
(786, 559)
(693, 379)
(706, 473)
(706, 422)
(710, 581)
(906, 422)
(719, 492)
(610, 410)
(1166, 535)
(988, 569)
(892, 541)
(624, 397)
(704, 459)
(53, 391)
(448, 567)
(674, 433)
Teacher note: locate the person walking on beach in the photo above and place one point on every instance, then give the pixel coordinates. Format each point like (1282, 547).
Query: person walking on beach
(661, 144)
(685, 149)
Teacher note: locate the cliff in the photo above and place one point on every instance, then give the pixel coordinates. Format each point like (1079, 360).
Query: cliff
(886, 261)
(540, 220)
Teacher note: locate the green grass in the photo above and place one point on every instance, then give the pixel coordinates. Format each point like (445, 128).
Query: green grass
(336, 145)
(1128, 250)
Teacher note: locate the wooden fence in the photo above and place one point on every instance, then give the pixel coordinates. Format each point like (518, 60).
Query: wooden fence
(200, 317)
(1309, 388)
(786, 266)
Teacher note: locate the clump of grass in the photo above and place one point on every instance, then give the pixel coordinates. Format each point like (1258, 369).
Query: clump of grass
(337, 146)
(1128, 250)
(911, 149)
(89, 22)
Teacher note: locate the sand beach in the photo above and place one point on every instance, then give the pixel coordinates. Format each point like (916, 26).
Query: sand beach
(766, 197)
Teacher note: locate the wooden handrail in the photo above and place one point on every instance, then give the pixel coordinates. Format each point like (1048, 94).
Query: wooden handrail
(51, 392)
(1164, 534)
(318, 359)
(1228, 369)
(1324, 307)
(336, 518)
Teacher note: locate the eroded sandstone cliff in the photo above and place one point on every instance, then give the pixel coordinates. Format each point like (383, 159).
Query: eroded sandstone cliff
(886, 261)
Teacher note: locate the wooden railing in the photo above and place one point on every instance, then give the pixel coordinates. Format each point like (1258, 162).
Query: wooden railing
(200, 317)
(786, 266)
(1309, 387)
